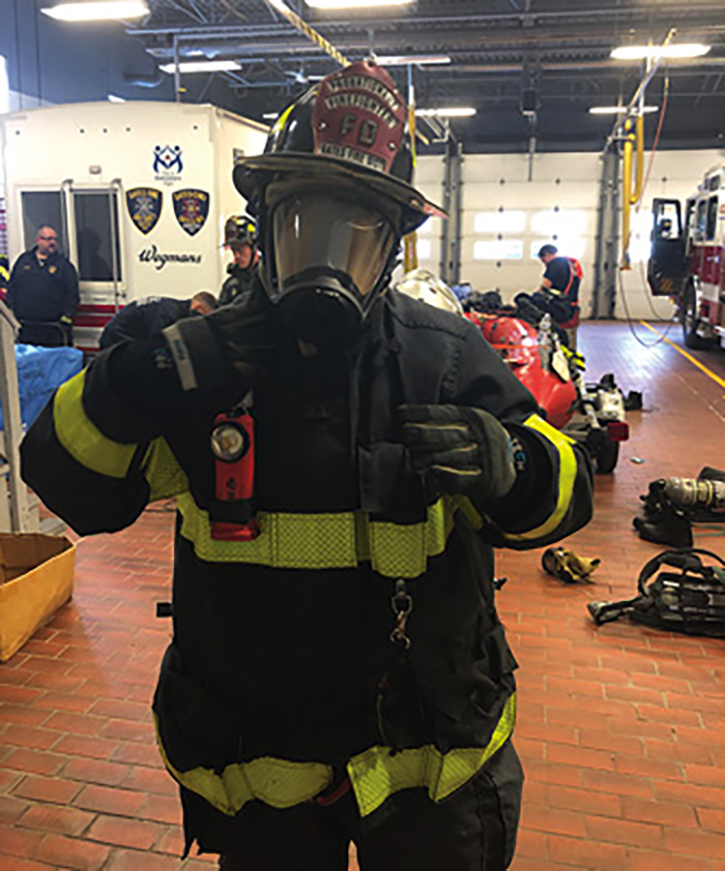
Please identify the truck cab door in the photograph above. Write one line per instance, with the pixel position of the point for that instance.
(667, 264)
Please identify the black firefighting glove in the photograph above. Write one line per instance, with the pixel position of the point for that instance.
(233, 345)
(459, 450)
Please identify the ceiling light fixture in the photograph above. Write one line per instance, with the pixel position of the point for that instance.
(354, 4)
(447, 112)
(402, 60)
(97, 10)
(270, 116)
(619, 110)
(641, 52)
(202, 66)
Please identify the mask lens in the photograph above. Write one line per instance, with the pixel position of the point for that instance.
(316, 232)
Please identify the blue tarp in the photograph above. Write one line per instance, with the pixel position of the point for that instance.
(40, 372)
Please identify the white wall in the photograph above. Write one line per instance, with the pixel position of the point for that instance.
(503, 209)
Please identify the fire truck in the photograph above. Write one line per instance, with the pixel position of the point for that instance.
(686, 259)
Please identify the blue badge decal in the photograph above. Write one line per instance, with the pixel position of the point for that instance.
(191, 208)
(144, 207)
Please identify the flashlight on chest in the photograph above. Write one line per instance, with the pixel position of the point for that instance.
(232, 444)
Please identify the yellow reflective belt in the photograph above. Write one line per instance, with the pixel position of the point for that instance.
(276, 782)
(326, 541)
(376, 774)
(567, 476)
(83, 441)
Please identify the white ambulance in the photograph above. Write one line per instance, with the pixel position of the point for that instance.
(138, 192)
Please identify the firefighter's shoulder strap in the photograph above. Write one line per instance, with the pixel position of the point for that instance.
(576, 268)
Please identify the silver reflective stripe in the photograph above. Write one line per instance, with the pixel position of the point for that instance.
(181, 357)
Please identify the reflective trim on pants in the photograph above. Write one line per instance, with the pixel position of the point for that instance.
(377, 774)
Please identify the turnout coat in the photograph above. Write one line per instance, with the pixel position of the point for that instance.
(282, 678)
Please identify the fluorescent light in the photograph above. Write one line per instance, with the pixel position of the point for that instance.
(402, 60)
(353, 4)
(201, 66)
(620, 110)
(640, 52)
(270, 116)
(99, 10)
(112, 98)
(447, 112)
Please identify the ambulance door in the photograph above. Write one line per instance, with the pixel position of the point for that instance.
(96, 246)
(88, 226)
(95, 241)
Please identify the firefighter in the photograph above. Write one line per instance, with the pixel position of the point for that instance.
(147, 317)
(43, 292)
(344, 460)
(240, 235)
(558, 295)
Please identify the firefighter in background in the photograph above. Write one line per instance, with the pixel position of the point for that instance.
(240, 235)
(558, 295)
(344, 460)
(43, 292)
(143, 318)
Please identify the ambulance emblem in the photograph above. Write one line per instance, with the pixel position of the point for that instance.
(191, 208)
(144, 207)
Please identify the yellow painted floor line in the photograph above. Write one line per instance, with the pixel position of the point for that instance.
(716, 378)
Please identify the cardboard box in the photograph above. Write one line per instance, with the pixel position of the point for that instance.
(36, 578)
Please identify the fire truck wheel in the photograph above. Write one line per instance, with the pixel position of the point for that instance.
(607, 456)
(689, 319)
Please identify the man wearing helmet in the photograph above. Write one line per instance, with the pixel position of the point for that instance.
(344, 459)
(240, 235)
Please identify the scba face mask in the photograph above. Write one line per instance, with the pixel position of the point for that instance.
(331, 255)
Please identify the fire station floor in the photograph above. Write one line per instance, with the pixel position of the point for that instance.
(621, 729)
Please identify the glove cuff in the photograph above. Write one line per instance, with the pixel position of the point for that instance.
(496, 442)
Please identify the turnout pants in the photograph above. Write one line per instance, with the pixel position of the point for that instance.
(474, 829)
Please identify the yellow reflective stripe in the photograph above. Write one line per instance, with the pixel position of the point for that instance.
(83, 441)
(376, 774)
(567, 476)
(304, 541)
(164, 475)
(276, 782)
(326, 541)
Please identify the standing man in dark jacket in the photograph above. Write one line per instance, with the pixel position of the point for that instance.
(344, 460)
(240, 235)
(43, 292)
(143, 318)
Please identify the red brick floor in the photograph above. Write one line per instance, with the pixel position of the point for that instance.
(620, 728)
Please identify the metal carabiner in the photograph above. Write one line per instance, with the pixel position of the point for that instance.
(402, 604)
